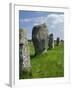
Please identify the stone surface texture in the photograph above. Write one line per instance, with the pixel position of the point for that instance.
(40, 38)
(24, 58)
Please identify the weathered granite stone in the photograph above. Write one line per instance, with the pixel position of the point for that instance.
(50, 41)
(40, 38)
(24, 59)
(57, 41)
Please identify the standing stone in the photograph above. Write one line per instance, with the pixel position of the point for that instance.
(50, 41)
(24, 59)
(57, 41)
(40, 38)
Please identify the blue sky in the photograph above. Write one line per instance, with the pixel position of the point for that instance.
(54, 21)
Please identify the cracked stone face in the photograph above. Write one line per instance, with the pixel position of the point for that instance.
(24, 58)
(40, 38)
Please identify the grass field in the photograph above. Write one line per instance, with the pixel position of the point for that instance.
(49, 64)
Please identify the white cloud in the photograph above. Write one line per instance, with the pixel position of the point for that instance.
(25, 20)
(55, 18)
(55, 23)
(51, 19)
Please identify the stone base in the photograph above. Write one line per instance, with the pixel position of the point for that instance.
(44, 51)
(26, 73)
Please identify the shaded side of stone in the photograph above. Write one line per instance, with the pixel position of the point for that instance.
(51, 41)
(58, 41)
(40, 38)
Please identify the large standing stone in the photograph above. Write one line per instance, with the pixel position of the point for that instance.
(24, 59)
(57, 41)
(40, 38)
(50, 41)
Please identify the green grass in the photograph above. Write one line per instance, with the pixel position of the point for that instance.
(49, 64)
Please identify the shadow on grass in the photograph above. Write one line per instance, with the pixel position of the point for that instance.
(35, 55)
(32, 56)
(25, 75)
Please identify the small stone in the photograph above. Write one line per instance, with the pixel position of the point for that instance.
(50, 41)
